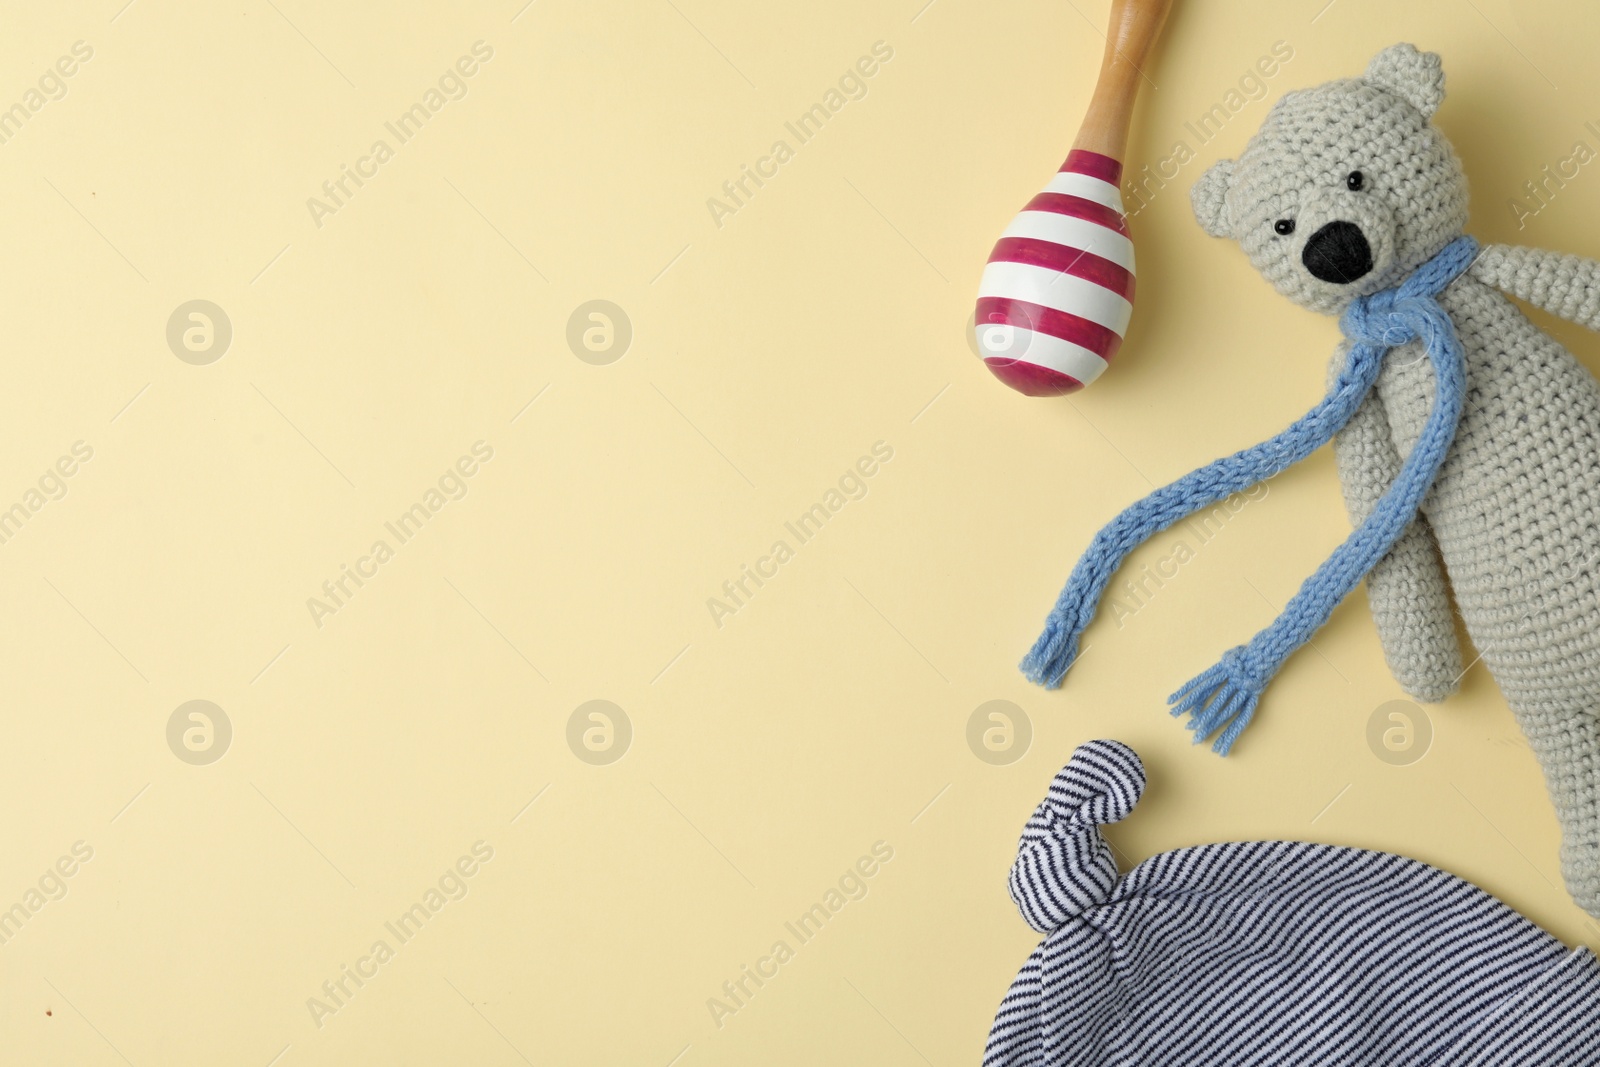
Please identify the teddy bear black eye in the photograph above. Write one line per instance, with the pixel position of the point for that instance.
(1284, 226)
(1355, 181)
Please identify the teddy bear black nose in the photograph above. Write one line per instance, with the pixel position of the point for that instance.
(1338, 253)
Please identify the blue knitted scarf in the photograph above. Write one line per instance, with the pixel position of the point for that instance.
(1224, 697)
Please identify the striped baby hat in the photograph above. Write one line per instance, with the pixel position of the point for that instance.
(1279, 953)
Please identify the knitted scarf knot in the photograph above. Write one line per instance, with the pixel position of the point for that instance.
(1387, 326)
(1225, 696)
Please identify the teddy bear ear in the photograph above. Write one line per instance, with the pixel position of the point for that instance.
(1414, 76)
(1209, 198)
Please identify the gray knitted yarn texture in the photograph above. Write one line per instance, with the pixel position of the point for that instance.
(1513, 518)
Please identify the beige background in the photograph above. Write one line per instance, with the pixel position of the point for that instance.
(768, 354)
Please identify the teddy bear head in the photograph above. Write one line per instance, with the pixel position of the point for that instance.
(1346, 188)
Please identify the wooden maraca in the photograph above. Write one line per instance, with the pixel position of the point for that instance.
(1057, 293)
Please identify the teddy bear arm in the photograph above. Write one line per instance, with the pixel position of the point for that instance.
(1565, 285)
(1407, 590)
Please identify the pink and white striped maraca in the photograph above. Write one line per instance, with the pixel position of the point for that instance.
(1057, 294)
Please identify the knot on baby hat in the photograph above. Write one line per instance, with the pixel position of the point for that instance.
(1064, 866)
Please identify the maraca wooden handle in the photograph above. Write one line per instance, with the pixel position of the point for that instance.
(1057, 294)
(1135, 24)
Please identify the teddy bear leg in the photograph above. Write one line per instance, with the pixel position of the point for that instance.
(1566, 739)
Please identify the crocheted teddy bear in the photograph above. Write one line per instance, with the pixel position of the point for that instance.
(1346, 189)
